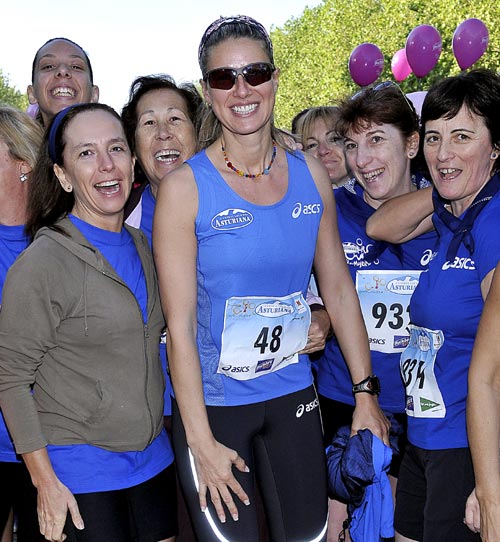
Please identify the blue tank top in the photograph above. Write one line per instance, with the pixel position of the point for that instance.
(448, 298)
(84, 468)
(251, 250)
(12, 242)
(363, 253)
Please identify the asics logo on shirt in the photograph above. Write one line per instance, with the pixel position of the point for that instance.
(427, 257)
(306, 209)
(460, 263)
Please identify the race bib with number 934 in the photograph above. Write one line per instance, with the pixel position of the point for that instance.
(423, 396)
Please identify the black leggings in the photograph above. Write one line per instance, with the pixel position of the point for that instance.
(281, 442)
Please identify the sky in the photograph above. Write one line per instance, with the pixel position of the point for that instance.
(125, 38)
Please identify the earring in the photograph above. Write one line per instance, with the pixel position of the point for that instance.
(411, 154)
(494, 155)
(68, 188)
(23, 177)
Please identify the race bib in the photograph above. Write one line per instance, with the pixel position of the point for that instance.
(423, 396)
(384, 297)
(262, 334)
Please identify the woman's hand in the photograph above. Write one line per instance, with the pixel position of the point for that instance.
(318, 330)
(368, 415)
(483, 515)
(54, 498)
(214, 466)
(472, 515)
(54, 501)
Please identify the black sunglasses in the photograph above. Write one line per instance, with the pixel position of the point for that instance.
(254, 75)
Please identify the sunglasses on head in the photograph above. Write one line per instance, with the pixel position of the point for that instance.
(254, 75)
(384, 85)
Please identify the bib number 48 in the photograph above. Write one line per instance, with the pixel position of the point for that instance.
(262, 342)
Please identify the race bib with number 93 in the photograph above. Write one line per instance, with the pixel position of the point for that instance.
(384, 296)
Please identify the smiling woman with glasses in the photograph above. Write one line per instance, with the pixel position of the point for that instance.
(236, 231)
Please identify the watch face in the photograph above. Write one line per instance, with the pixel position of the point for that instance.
(374, 384)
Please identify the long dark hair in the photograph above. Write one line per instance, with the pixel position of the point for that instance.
(47, 201)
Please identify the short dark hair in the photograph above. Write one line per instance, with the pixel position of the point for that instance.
(143, 85)
(47, 201)
(478, 90)
(384, 105)
(86, 57)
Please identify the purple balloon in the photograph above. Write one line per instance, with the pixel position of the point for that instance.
(423, 48)
(366, 64)
(470, 41)
(399, 65)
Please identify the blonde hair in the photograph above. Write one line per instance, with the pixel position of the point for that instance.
(22, 134)
(329, 114)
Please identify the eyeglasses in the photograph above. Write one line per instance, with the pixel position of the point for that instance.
(384, 85)
(254, 75)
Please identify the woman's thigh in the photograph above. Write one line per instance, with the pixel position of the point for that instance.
(143, 513)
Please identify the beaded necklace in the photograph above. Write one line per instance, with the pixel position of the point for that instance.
(244, 174)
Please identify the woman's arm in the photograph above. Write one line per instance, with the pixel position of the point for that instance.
(402, 218)
(341, 302)
(54, 498)
(175, 250)
(483, 414)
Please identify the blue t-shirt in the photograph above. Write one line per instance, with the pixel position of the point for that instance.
(12, 242)
(363, 253)
(448, 298)
(148, 204)
(84, 468)
(251, 251)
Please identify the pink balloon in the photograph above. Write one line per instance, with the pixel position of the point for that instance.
(399, 65)
(366, 64)
(470, 41)
(423, 48)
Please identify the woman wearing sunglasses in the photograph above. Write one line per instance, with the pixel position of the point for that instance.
(380, 128)
(235, 234)
(461, 141)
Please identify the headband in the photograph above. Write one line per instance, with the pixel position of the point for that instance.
(54, 128)
(237, 19)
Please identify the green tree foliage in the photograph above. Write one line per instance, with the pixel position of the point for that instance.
(10, 95)
(313, 51)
